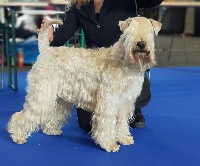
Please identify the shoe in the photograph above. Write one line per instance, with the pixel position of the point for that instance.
(138, 119)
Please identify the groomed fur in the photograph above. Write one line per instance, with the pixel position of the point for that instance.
(106, 82)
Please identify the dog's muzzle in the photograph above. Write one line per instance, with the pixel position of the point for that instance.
(141, 48)
(139, 51)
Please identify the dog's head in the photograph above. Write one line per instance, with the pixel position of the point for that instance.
(138, 35)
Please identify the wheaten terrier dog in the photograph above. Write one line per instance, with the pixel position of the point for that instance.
(106, 81)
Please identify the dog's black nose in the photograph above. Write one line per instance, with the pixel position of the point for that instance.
(141, 45)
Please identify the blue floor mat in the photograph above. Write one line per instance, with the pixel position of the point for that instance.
(171, 136)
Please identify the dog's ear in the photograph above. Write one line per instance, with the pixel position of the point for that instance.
(156, 26)
(124, 24)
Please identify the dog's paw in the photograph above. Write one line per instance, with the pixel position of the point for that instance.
(112, 148)
(19, 141)
(128, 140)
(52, 132)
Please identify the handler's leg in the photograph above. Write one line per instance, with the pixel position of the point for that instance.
(84, 119)
(142, 101)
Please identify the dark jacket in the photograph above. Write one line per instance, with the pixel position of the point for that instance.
(105, 32)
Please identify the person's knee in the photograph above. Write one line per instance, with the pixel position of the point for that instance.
(142, 102)
(145, 95)
(84, 119)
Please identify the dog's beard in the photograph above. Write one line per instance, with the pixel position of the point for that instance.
(141, 57)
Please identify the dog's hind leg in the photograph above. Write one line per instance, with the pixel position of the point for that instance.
(58, 116)
(37, 110)
(21, 125)
(40, 102)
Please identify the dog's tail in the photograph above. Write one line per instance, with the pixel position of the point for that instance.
(43, 40)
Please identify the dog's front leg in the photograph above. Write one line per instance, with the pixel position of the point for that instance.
(104, 123)
(124, 113)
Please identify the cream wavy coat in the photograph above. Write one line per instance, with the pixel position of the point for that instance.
(106, 82)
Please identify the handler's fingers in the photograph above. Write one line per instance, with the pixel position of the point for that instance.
(45, 19)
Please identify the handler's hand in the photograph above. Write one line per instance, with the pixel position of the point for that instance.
(50, 35)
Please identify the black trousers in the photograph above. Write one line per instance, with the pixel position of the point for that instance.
(84, 117)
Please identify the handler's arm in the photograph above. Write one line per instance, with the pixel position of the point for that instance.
(67, 30)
